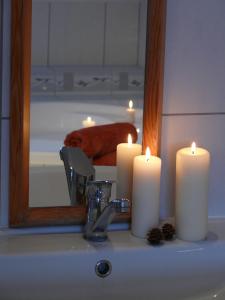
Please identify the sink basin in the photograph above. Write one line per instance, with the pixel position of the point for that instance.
(61, 266)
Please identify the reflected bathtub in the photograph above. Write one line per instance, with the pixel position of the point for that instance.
(50, 123)
(47, 180)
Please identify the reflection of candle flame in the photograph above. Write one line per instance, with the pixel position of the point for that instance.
(138, 130)
(193, 148)
(129, 139)
(148, 154)
(131, 104)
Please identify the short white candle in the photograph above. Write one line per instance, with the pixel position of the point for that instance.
(88, 122)
(131, 112)
(124, 160)
(146, 190)
(192, 172)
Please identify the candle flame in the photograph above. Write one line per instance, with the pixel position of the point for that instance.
(193, 148)
(138, 130)
(88, 119)
(131, 104)
(129, 139)
(148, 154)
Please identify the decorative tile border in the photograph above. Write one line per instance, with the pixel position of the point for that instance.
(59, 80)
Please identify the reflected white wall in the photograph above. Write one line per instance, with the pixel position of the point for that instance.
(89, 32)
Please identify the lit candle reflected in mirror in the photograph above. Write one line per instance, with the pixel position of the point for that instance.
(131, 112)
(88, 122)
(131, 104)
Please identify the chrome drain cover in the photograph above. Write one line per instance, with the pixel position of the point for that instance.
(103, 268)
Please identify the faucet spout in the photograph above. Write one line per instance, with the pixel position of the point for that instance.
(79, 171)
(101, 211)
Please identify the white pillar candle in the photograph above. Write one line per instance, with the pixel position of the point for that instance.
(131, 112)
(146, 190)
(88, 122)
(124, 160)
(192, 170)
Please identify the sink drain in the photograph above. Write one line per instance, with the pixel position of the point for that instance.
(103, 268)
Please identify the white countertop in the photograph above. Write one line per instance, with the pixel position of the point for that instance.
(54, 240)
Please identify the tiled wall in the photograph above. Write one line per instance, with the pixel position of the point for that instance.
(110, 32)
(97, 44)
(194, 97)
(194, 93)
(117, 82)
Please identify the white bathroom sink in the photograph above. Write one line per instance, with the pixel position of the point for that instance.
(62, 267)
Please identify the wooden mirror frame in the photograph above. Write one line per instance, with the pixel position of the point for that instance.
(20, 214)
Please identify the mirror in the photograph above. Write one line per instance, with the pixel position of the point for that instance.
(87, 62)
(70, 82)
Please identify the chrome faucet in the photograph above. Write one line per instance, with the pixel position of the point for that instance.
(101, 209)
(95, 195)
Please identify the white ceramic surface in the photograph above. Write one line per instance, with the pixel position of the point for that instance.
(52, 121)
(62, 267)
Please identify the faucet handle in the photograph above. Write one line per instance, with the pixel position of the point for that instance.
(99, 192)
(121, 205)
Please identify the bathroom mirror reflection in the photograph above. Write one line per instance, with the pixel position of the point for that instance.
(88, 62)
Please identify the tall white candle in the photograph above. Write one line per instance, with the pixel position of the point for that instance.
(146, 190)
(131, 112)
(124, 158)
(192, 171)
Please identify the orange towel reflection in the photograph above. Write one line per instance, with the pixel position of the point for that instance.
(100, 142)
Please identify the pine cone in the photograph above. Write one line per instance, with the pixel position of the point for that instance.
(154, 236)
(168, 231)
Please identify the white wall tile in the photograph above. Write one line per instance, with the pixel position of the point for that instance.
(195, 60)
(40, 14)
(76, 35)
(4, 194)
(208, 132)
(121, 33)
